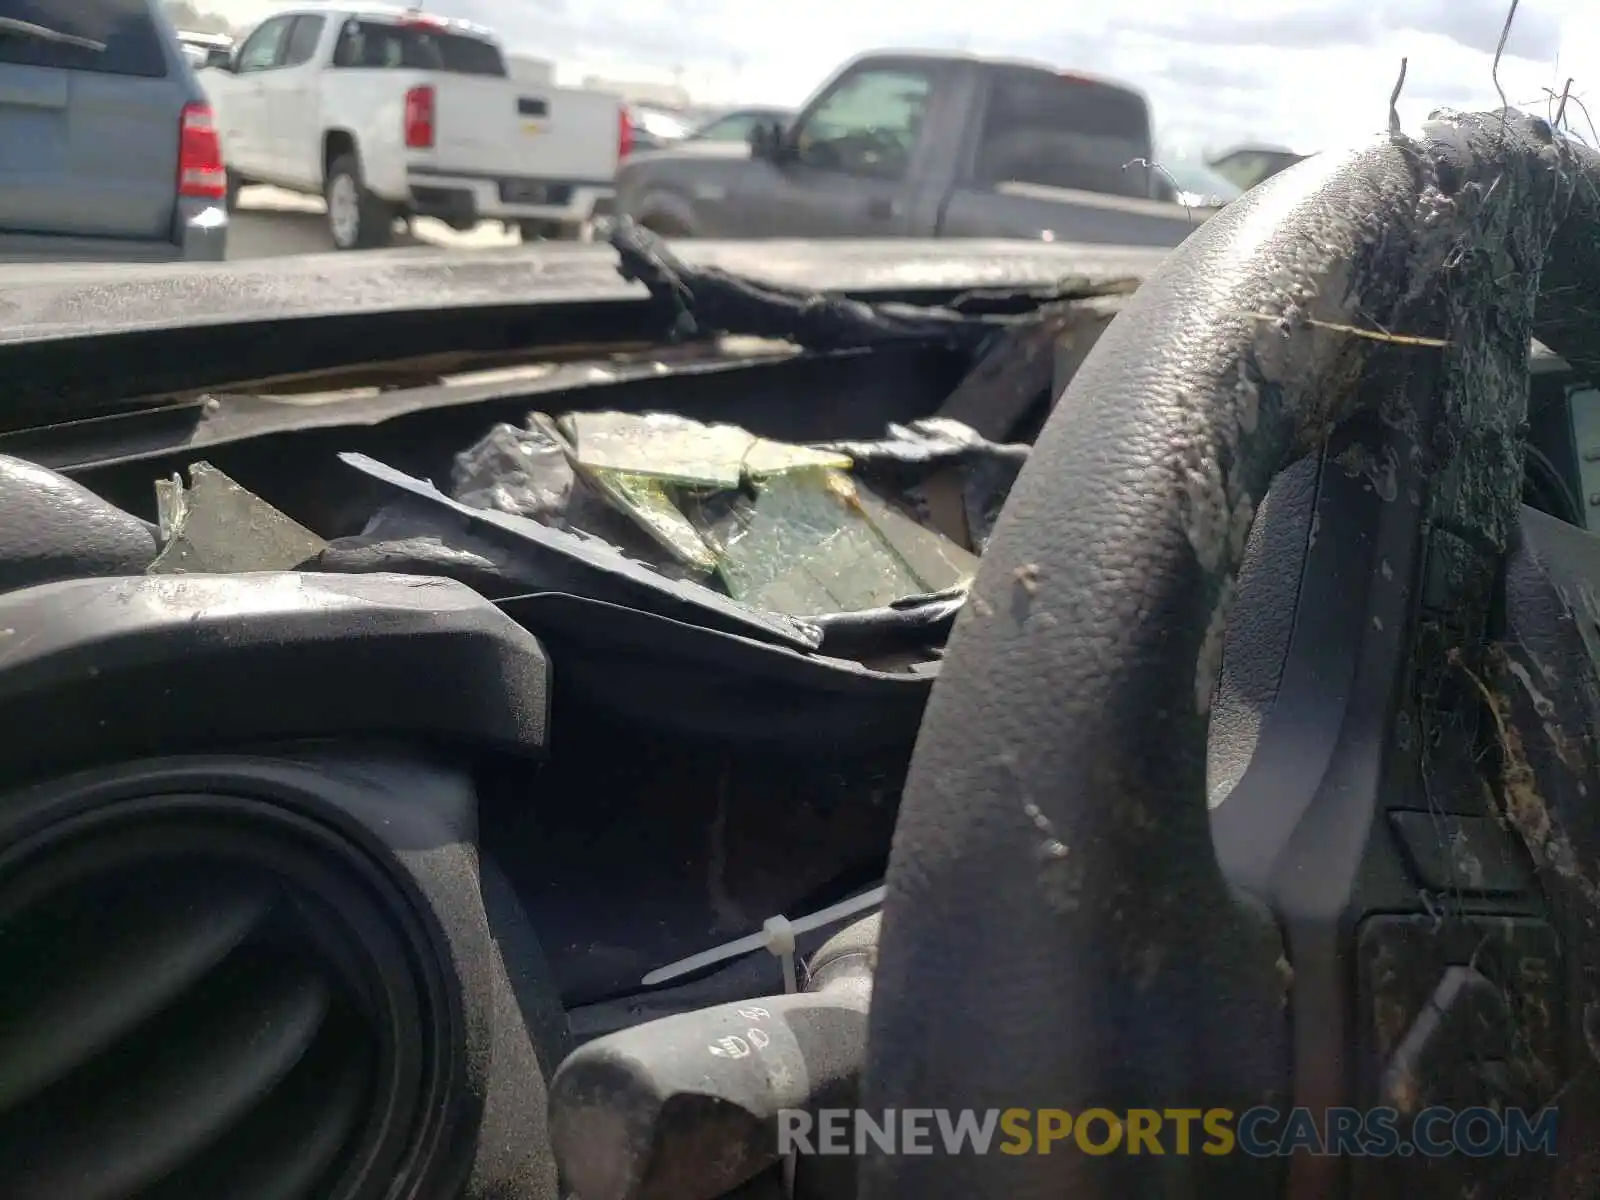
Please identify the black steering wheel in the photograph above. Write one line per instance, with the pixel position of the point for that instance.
(1068, 924)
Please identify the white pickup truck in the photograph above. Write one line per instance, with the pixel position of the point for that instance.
(390, 113)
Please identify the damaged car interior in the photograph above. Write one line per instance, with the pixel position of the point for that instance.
(487, 732)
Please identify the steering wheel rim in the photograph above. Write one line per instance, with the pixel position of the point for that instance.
(1057, 931)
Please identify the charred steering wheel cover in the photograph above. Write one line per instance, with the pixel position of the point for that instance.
(1057, 932)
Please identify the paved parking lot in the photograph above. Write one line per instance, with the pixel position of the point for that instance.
(271, 223)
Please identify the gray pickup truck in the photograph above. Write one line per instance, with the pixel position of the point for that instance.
(917, 144)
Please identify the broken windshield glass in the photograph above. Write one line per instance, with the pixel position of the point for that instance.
(702, 522)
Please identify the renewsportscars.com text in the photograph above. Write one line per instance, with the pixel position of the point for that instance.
(1258, 1132)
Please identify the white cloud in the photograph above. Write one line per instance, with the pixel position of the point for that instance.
(1306, 73)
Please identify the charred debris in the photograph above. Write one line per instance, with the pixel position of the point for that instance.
(740, 519)
(850, 548)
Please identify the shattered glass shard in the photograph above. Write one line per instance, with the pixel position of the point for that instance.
(682, 451)
(217, 527)
(646, 501)
(812, 542)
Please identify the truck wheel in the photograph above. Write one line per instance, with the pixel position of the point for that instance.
(357, 219)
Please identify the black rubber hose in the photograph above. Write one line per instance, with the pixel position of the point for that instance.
(1057, 932)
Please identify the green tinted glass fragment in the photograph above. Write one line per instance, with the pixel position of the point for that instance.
(811, 542)
(646, 501)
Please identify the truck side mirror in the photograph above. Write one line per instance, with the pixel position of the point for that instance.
(221, 59)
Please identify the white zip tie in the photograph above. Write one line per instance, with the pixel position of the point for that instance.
(780, 944)
(763, 940)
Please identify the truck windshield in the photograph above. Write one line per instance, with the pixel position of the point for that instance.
(379, 45)
(1063, 131)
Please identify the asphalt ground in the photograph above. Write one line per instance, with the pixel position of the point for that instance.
(270, 223)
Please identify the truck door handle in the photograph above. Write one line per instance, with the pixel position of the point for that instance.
(881, 208)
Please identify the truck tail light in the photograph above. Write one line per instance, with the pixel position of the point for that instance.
(201, 173)
(419, 118)
(624, 134)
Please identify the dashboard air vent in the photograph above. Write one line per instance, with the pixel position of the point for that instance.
(204, 998)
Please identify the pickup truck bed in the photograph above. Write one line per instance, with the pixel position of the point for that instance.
(390, 115)
(1027, 210)
(515, 152)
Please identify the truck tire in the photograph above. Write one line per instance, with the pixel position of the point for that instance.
(357, 219)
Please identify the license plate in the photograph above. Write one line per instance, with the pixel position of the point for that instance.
(531, 191)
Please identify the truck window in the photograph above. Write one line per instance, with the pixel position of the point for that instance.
(735, 127)
(130, 42)
(263, 49)
(1061, 131)
(868, 126)
(303, 41)
(379, 45)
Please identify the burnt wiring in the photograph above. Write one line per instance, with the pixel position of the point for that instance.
(1499, 53)
(1557, 118)
(1177, 188)
(1561, 106)
(1394, 100)
(1560, 120)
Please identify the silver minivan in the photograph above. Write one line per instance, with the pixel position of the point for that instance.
(108, 149)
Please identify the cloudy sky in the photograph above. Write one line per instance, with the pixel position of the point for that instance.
(1304, 73)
